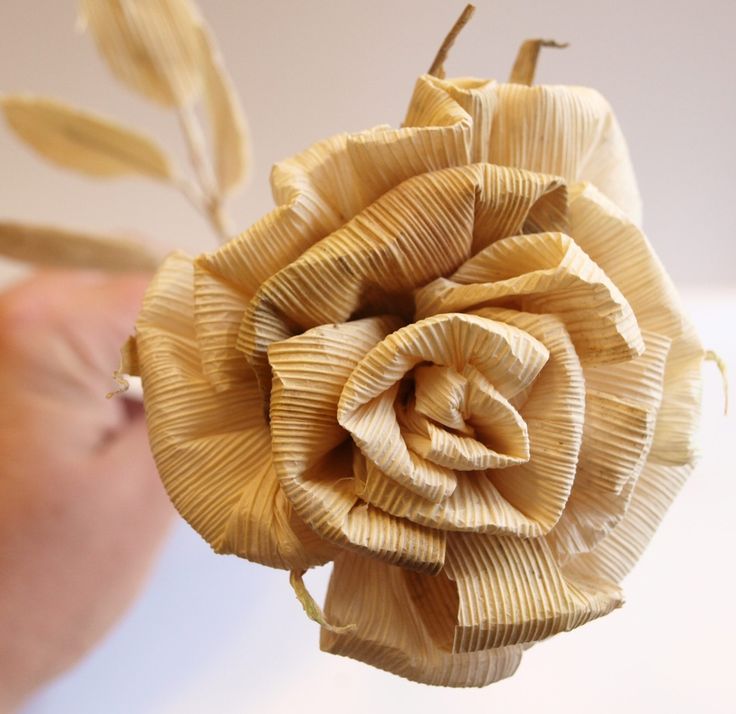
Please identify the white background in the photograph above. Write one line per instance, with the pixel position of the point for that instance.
(215, 634)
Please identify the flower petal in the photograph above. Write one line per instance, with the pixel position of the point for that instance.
(548, 273)
(511, 592)
(621, 407)
(507, 357)
(425, 228)
(404, 625)
(553, 412)
(622, 250)
(653, 494)
(212, 449)
(312, 460)
(565, 131)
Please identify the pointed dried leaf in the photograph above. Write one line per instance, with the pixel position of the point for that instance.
(152, 46)
(82, 141)
(227, 121)
(60, 248)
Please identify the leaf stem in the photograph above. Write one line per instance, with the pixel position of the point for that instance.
(437, 69)
(210, 204)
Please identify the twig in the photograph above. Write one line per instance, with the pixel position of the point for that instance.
(437, 69)
(210, 203)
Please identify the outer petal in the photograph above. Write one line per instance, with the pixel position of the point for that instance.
(404, 624)
(511, 591)
(565, 131)
(212, 449)
(621, 408)
(623, 251)
(425, 228)
(315, 471)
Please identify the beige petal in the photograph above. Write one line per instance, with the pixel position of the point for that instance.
(152, 46)
(653, 494)
(559, 130)
(554, 413)
(549, 273)
(622, 250)
(227, 121)
(426, 227)
(310, 371)
(83, 141)
(621, 406)
(511, 591)
(404, 625)
(61, 248)
(474, 506)
(212, 449)
(508, 358)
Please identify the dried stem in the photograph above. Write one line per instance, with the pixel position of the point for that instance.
(711, 356)
(525, 66)
(437, 69)
(210, 202)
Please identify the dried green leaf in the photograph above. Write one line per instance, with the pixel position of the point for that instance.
(60, 248)
(82, 141)
(152, 46)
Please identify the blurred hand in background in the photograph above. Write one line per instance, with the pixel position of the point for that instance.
(82, 512)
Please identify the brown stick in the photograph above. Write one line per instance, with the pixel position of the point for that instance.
(437, 69)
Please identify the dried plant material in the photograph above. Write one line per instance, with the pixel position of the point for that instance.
(438, 65)
(450, 362)
(313, 610)
(82, 141)
(129, 367)
(712, 356)
(152, 46)
(525, 65)
(228, 128)
(60, 248)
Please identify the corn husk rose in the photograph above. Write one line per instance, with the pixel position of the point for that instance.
(450, 362)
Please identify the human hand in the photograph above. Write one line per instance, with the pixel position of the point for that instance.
(82, 511)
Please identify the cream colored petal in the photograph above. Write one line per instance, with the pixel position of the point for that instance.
(511, 591)
(554, 415)
(62, 248)
(426, 227)
(653, 494)
(85, 142)
(508, 358)
(314, 470)
(543, 273)
(567, 131)
(152, 46)
(621, 406)
(474, 506)
(218, 312)
(227, 122)
(622, 250)
(404, 625)
(212, 449)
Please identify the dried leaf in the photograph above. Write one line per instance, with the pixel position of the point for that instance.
(526, 61)
(81, 141)
(152, 46)
(227, 122)
(57, 247)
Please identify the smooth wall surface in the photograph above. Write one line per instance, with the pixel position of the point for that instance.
(310, 68)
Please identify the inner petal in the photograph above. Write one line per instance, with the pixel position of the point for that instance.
(494, 435)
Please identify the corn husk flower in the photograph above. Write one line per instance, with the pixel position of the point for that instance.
(450, 362)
